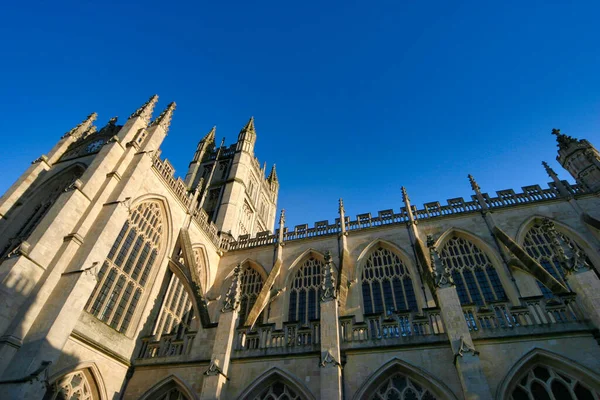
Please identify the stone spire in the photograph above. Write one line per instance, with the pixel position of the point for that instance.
(342, 212)
(478, 194)
(249, 128)
(327, 280)
(145, 111)
(273, 176)
(232, 298)
(164, 119)
(562, 139)
(406, 200)
(247, 137)
(281, 227)
(210, 136)
(474, 184)
(78, 131)
(441, 273)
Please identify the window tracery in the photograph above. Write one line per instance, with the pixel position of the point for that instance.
(475, 277)
(124, 274)
(539, 246)
(305, 292)
(173, 394)
(251, 284)
(542, 382)
(400, 387)
(386, 284)
(75, 385)
(278, 390)
(176, 312)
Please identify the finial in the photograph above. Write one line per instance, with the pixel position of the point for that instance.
(404, 194)
(562, 139)
(341, 208)
(327, 280)
(282, 218)
(232, 298)
(164, 119)
(145, 111)
(568, 254)
(273, 175)
(80, 129)
(549, 170)
(474, 184)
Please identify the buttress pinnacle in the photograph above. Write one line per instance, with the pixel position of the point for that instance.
(273, 175)
(83, 127)
(210, 136)
(164, 119)
(474, 184)
(548, 169)
(145, 111)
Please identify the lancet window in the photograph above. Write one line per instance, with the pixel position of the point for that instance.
(539, 246)
(543, 382)
(305, 292)
(124, 274)
(176, 313)
(386, 283)
(475, 277)
(400, 387)
(251, 284)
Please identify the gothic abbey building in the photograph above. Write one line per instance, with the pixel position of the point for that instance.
(121, 281)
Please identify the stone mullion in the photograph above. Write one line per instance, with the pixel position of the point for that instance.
(465, 285)
(133, 290)
(481, 294)
(110, 292)
(99, 286)
(391, 283)
(109, 320)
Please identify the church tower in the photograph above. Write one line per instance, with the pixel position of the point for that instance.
(233, 189)
(580, 158)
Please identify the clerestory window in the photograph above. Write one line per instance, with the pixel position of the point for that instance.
(124, 274)
(305, 291)
(475, 277)
(251, 284)
(386, 284)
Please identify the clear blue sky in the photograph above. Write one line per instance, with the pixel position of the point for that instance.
(351, 99)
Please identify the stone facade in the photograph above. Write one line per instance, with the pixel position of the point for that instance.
(120, 280)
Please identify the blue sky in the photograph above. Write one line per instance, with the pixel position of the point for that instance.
(351, 99)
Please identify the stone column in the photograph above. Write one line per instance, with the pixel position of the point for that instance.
(579, 275)
(331, 368)
(466, 358)
(215, 376)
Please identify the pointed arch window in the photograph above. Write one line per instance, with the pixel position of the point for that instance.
(475, 277)
(546, 383)
(305, 292)
(400, 387)
(176, 313)
(251, 284)
(124, 274)
(539, 246)
(277, 390)
(386, 283)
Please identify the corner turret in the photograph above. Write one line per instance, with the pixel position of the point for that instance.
(247, 137)
(580, 158)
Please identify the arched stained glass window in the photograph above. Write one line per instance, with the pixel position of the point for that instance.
(176, 313)
(78, 385)
(475, 277)
(386, 284)
(278, 390)
(400, 387)
(251, 284)
(544, 382)
(305, 292)
(124, 274)
(539, 246)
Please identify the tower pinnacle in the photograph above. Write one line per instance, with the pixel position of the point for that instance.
(273, 175)
(145, 111)
(164, 119)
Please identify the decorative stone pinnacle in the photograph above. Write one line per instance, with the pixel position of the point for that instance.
(327, 280)
(232, 298)
(563, 140)
(78, 131)
(164, 119)
(282, 218)
(404, 194)
(210, 136)
(568, 255)
(145, 111)
(548, 169)
(440, 272)
(341, 208)
(474, 184)
(273, 175)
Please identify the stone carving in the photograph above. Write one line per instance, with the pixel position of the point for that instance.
(440, 274)
(145, 111)
(327, 359)
(164, 119)
(464, 348)
(328, 281)
(232, 298)
(568, 255)
(214, 370)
